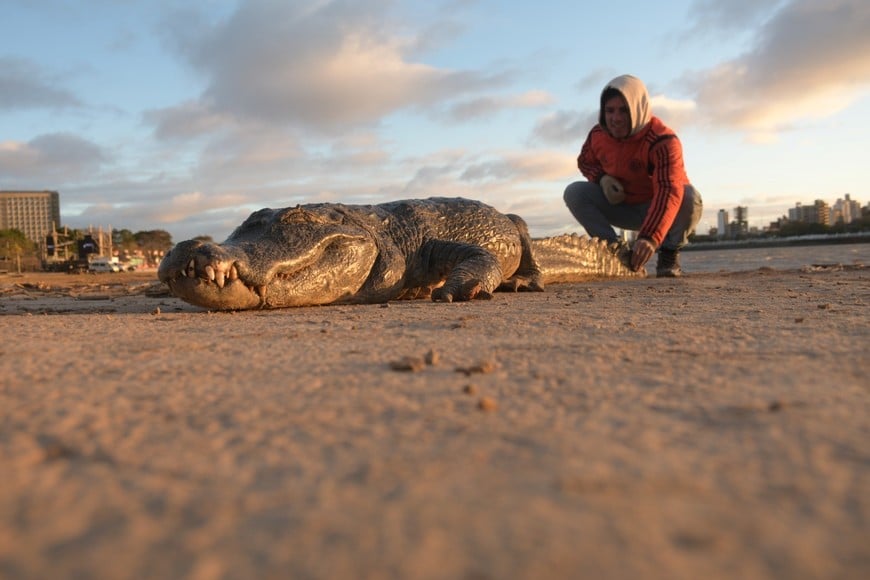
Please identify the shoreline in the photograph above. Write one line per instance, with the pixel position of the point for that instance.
(825, 240)
(710, 426)
(860, 238)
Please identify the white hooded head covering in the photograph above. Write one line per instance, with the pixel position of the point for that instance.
(637, 97)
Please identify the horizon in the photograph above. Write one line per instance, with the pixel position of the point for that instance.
(187, 120)
(111, 227)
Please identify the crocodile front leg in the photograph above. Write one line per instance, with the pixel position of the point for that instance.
(469, 272)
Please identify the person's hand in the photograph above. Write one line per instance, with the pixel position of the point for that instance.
(641, 251)
(613, 190)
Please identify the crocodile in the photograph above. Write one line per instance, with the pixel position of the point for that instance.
(448, 249)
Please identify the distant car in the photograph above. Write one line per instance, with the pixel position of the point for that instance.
(99, 267)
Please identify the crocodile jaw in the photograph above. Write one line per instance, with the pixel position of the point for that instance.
(224, 278)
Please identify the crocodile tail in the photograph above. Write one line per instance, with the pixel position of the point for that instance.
(574, 258)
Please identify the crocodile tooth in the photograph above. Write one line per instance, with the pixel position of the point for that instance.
(261, 291)
(220, 277)
(234, 274)
(209, 273)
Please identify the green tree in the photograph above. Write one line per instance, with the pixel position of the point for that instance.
(124, 240)
(13, 242)
(153, 240)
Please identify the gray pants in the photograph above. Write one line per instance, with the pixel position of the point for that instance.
(587, 203)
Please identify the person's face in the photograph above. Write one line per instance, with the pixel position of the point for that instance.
(616, 117)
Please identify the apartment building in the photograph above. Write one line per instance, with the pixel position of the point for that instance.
(34, 213)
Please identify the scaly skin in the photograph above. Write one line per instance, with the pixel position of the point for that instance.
(449, 249)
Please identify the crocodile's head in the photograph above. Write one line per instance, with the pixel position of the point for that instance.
(275, 259)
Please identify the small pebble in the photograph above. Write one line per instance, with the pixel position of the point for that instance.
(481, 368)
(408, 364)
(56, 450)
(487, 404)
(432, 358)
(469, 389)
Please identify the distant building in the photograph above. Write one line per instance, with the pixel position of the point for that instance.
(34, 213)
(845, 211)
(722, 224)
(740, 225)
(818, 213)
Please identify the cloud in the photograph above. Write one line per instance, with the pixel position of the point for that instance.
(458, 168)
(596, 80)
(674, 112)
(728, 17)
(323, 66)
(488, 106)
(50, 157)
(182, 205)
(564, 127)
(521, 167)
(810, 60)
(246, 155)
(188, 120)
(24, 86)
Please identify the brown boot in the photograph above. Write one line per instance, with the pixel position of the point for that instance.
(668, 265)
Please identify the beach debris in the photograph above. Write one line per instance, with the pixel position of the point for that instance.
(408, 364)
(93, 297)
(487, 404)
(822, 268)
(415, 363)
(481, 368)
(469, 389)
(155, 290)
(53, 448)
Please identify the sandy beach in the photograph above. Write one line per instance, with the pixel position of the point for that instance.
(714, 426)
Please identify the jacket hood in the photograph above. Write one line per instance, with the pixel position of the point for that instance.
(637, 97)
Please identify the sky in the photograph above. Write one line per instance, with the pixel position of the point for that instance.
(188, 116)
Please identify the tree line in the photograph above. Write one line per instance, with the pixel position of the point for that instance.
(15, 245)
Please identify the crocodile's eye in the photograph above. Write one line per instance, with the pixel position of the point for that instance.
(301, 215)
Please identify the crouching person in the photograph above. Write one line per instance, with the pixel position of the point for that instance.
(636, 180)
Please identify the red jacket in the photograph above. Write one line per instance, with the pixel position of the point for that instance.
(649, 164)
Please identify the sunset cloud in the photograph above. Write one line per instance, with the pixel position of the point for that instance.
(324, 66)
(491, 105)
(52, 156)
(810, 60)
